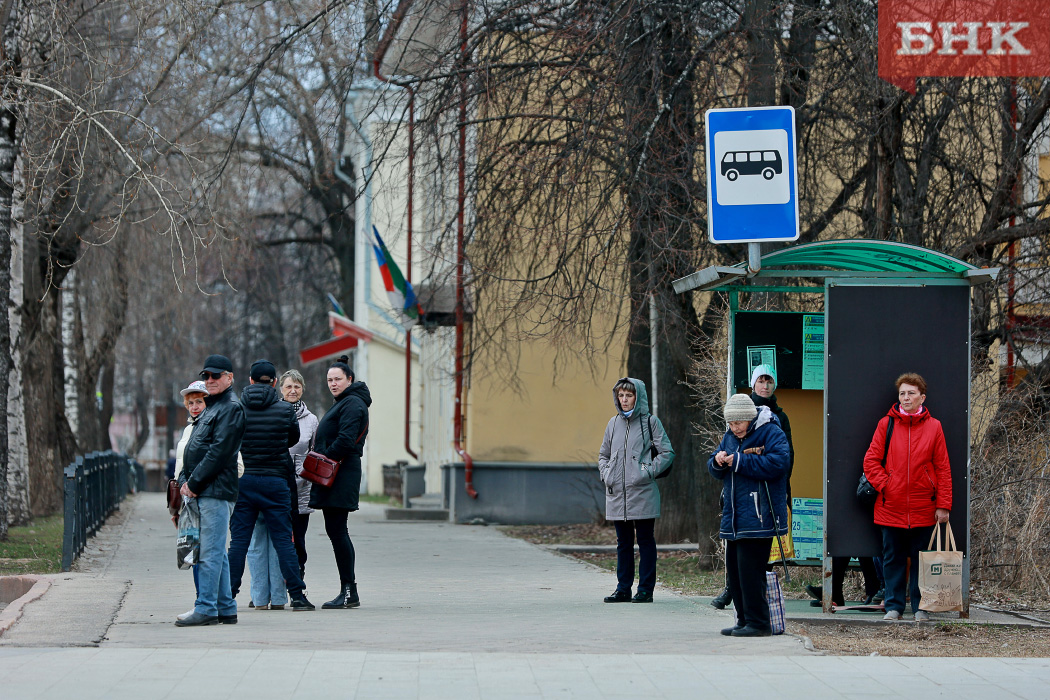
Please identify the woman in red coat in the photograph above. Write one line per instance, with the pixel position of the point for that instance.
(915, 489)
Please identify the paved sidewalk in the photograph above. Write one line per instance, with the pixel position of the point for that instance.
(447, 612)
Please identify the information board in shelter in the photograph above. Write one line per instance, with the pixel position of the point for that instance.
(761, 355)
(807, 527)
(813, 351)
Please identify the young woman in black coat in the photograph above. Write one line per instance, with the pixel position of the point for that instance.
(341, 436)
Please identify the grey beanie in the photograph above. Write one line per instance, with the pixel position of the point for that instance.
(739, 407)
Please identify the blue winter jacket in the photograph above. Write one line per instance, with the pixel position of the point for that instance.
(745, 510)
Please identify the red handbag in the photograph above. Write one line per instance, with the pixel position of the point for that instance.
(174, 497)
(319, 469)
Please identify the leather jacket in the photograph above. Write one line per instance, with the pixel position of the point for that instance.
(210, 458)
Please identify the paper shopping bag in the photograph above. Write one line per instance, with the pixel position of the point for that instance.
(940, 574)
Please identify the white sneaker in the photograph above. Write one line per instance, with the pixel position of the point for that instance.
(892, 615)
(184, 615)
(922, 616)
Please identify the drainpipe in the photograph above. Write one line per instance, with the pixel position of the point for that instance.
(653, 359)
(468, 462)
(388, 36)
(1011, 251)
(381, 49)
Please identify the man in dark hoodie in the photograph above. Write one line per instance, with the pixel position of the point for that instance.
(267, 486)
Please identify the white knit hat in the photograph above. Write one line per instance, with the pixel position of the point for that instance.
(764, 371)
(739, 407)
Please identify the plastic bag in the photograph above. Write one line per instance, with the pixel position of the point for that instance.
(775, 600)
(188, 544)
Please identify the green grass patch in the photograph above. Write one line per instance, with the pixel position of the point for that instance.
(35, 548)
(380, 499)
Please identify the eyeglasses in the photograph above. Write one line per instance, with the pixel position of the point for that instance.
(212, 375)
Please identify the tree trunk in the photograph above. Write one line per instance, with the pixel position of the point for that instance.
(49, 441)
(8, 155)
(18, 511)
(661, 120)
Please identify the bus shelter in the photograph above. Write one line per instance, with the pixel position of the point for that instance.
(888, 308)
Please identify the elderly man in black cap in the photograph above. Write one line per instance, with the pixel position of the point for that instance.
(268, 483)
(209, 474)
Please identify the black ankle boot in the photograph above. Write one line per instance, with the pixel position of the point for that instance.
(347, 598)
(723, 599)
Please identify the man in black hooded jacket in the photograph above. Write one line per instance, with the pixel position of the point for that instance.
(267, 486)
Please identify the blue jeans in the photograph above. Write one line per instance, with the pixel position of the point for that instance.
(625, 532)
(898, 544)
(267, 581)
(268, 495)
(213, 571)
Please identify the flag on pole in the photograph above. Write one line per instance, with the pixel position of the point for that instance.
(402, 296)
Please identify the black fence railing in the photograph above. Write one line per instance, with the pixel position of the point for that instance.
(95, 484)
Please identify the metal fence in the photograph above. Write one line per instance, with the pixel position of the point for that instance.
(95, 484)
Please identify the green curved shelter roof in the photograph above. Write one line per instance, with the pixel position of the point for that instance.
(861, 255)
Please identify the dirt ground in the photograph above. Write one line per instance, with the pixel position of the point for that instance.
(947, 639)
(679, 571)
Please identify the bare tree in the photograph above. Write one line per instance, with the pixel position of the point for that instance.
(588, 189)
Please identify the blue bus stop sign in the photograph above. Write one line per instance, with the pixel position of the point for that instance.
(752, 182)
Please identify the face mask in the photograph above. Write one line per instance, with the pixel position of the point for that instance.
(628, 413)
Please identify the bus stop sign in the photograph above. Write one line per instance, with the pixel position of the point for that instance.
(752, 182)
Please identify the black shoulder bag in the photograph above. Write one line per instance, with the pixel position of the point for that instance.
(866, 493)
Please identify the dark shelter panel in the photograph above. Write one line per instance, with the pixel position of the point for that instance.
(875, 334)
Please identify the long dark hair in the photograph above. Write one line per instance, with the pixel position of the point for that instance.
(343, 362)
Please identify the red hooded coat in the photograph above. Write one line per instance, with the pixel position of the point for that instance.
(917, 478)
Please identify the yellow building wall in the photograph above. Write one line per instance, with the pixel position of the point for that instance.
(386, 415)
(805, 410)
(546, 421)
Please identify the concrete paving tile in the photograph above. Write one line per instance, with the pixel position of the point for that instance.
(979, 691)
(387, 691)
(936, 669)
(23, 689)
(744, 685)
(324, 688)
(1029, 690)
(623, 683)
(464, 687)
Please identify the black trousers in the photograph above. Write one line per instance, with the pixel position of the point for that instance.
(838, 576)
(746, 575)
(335, 527)
(300, 521)
(625, 533)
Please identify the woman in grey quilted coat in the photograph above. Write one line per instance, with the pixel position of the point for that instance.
(292, 391)
(635, 452)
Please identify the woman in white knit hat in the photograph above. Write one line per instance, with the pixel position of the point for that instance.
(752, 463)
(763, 384)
